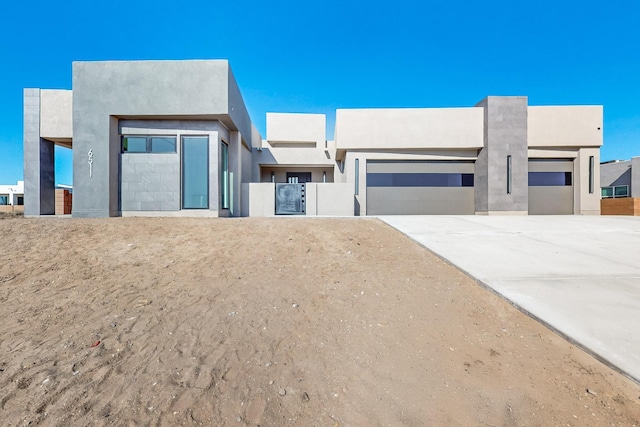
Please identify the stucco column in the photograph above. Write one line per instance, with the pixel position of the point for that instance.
(586, 195)
(501, 175)
(635, 177)
(39, 167)
(214, 171)
(235, 172)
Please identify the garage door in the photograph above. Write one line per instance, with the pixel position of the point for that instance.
(551, 187)
(420, 188)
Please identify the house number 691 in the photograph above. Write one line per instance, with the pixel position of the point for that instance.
(90, 154)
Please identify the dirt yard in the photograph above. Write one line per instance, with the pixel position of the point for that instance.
(271, 322)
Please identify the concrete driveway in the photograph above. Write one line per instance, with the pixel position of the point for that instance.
(578, 274)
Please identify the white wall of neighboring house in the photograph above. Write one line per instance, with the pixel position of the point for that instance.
(9, 194)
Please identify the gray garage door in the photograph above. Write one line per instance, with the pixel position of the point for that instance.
(420, 188)
(551, 187)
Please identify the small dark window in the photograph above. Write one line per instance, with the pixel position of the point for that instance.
(591, 174)
(549, 179)
(509, 174)
(467, 179)
(20, 200)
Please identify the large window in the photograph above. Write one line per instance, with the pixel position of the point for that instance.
(195, 172)
(615, 191)
(4, 200)
(224, 176)
(148, 144)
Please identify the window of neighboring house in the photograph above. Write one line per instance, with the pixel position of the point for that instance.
(148, 144)
(224, 178)
(4, 200)
(20, 200)
(615, 191)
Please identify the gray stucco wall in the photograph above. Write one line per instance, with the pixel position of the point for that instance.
(238, 111)
(104, 91)
(625, 172)
(39, 168)
(505, 134)
(635, 177)
(31, 144)
(618, 173)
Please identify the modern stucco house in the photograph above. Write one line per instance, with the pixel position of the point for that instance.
(175, 138)
(12, 197)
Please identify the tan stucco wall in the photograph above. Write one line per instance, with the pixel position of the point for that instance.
(296, 128)
(329, 199)
(294, 140)
(56, 117)
(258, 199)
(294, 155)
(565, 126)
(409, 128)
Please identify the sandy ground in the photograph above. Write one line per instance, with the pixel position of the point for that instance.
(306, 322)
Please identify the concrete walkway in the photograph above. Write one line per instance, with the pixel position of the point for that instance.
(578, 274)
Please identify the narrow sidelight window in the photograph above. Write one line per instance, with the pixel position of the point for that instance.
(509, 174)
(224, 178)
(591, 177)
(357, 171)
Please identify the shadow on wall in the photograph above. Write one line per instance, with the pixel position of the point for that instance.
(623, 179)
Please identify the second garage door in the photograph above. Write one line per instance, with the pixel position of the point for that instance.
(420, 188)
(550, 187)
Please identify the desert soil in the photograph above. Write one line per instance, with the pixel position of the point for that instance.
(272, 322)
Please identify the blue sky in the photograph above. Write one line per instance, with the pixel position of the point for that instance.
(316, 56)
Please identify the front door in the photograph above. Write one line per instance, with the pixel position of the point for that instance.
(298, 177)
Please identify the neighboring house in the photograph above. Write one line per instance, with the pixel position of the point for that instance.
(12, 197)
(620, 181)
(175, 138)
